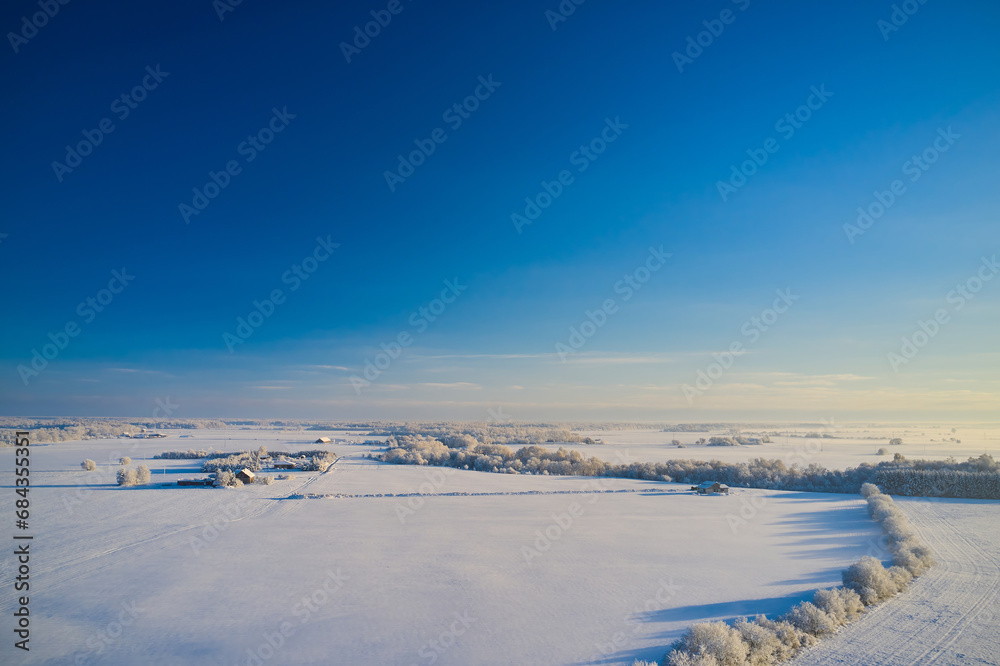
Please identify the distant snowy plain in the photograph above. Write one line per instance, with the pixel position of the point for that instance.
(486, 569)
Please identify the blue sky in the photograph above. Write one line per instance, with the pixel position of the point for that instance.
(836, 350)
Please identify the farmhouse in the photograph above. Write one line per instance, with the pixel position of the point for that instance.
(711, 487)
(323, 440)
(245, 475)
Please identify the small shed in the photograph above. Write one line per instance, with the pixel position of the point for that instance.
(196, 482)
(245, 475)
(323, 440)
(284, 464)
(711, 487)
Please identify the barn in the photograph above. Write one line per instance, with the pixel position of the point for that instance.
(323, 440)
(284, 464)
(710, 488)
(245, 475)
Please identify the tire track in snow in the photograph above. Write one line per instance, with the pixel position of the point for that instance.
(924, 624)
(68, 567)
(987, 600)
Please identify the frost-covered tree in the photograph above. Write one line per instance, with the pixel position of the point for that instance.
(127, 477)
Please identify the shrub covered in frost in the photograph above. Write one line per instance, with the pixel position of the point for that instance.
(125, 461)
(870, 580)
(190, 454)
(226, 478)
(143, 474)
(127, 477)
(89, 465)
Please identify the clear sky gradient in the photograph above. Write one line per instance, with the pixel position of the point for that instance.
(622, 144)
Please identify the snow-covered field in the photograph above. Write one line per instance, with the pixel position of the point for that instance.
(847, 446)
(490, 569)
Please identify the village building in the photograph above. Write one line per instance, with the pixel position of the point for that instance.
(245, 475)
(711, 487)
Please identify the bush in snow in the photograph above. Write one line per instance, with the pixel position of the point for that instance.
(226, 478)
(870, 580)
(127, 477)
(883, 451)
(190, 454)
(811, 619)
(841, 604)
(712, 640)
(285, 477)
(262, 478)
(125, 461)
(764, 647)
(792, 638)
(143, 474)
(319, 463)
(89, 465)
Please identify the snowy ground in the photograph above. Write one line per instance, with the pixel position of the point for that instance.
(951, 614)
(466, 576)
(848, 446)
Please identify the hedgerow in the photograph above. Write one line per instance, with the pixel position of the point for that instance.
(761, 641)
(978, 477)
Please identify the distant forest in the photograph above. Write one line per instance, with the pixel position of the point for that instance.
(975, 478)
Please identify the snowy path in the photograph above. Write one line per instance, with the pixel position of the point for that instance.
(950, 615)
